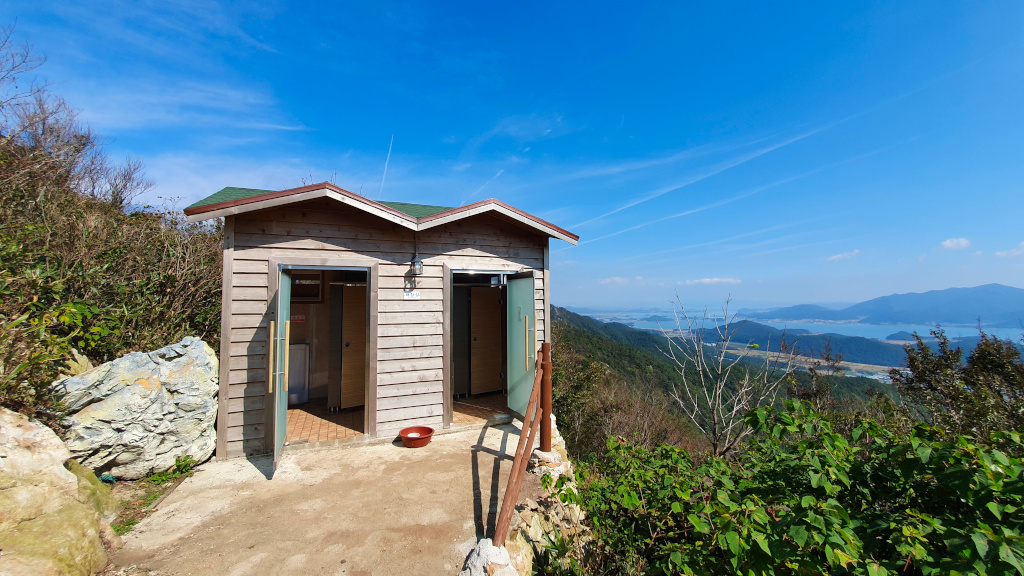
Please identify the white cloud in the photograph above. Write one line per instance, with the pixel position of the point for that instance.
(956, 244)
(843, 256)
(711, 281)
(620, 280)
(1013, 252)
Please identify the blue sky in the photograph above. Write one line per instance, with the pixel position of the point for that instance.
(780, 153)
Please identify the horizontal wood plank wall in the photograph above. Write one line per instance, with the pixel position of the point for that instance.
(410, 332)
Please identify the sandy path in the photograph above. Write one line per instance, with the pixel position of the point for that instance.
(379, 509)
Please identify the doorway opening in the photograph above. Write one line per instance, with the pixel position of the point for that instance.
(327, 355)
(479, 342)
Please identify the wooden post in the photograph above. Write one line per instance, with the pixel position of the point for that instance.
(545, 399)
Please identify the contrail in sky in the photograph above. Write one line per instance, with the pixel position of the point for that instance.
(750, 192)
(481, 188)
(386, 160)
(702, 208)
(716, 170)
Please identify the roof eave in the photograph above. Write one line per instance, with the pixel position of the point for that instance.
(494, 205)
(328, 190)
(274, 199)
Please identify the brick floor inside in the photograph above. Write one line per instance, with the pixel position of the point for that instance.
(478, 409)
(312, 422)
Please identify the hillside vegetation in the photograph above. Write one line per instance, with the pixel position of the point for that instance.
(931, 483)
(628, 351)
(81, 266)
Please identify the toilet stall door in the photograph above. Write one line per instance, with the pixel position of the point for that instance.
(485, 340)
(279, 353)
(522, 341)
(353, 347)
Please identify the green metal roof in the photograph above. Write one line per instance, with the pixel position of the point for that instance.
(228, 194)
(415, 210)
(231, 193)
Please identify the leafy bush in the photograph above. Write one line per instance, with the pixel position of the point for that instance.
(973, 398)
(593, 401)
(80, 265)
(29, 354)
(182, 467)
(805, 499)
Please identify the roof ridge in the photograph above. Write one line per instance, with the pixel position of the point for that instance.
(415, 216)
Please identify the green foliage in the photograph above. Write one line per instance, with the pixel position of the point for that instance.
(592, 400)
(625, 351)
(641, 354)
(123, 527)
(806, 499)
(974, 398)
(29, 354)
(80, 266)
(182, 467)
(146, 492)
(575, 386)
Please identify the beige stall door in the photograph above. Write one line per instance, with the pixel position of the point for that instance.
(353, 347)
(485, 340)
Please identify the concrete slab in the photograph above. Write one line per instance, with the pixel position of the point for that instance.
(371, 509)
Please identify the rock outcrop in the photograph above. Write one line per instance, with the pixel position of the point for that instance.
(138, 414)
(53, 520)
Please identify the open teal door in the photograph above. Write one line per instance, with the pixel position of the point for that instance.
(522, 341)
(279, 340)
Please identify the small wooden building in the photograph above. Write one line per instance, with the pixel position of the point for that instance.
(384, 309)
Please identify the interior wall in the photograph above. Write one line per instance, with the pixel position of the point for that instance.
(311, 325)
(460, 340)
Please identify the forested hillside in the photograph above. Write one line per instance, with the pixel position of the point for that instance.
(853, 348)
(629, 351)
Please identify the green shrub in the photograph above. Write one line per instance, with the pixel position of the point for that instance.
(972, 397)
(804, 499)
(81, 265)
(30, 355)
(182, 467)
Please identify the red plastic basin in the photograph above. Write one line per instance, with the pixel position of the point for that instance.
(416, 436)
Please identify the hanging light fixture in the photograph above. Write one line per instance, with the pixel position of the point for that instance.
(417, 263)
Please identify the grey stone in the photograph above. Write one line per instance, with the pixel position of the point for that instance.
(136, 415)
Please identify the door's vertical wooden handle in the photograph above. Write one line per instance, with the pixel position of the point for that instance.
(526, 341)
(271, 344)
(286, 352)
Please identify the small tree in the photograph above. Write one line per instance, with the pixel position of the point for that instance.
(826, 367)
(722, 382)
(974, 398)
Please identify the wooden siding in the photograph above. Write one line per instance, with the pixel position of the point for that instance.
(409, 333)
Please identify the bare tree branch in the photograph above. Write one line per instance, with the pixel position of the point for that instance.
(720, 382)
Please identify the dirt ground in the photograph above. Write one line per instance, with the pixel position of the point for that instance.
(378, 509)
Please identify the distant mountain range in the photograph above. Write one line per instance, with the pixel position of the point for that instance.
(641, 353)
(995, 305)
(853, 348)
